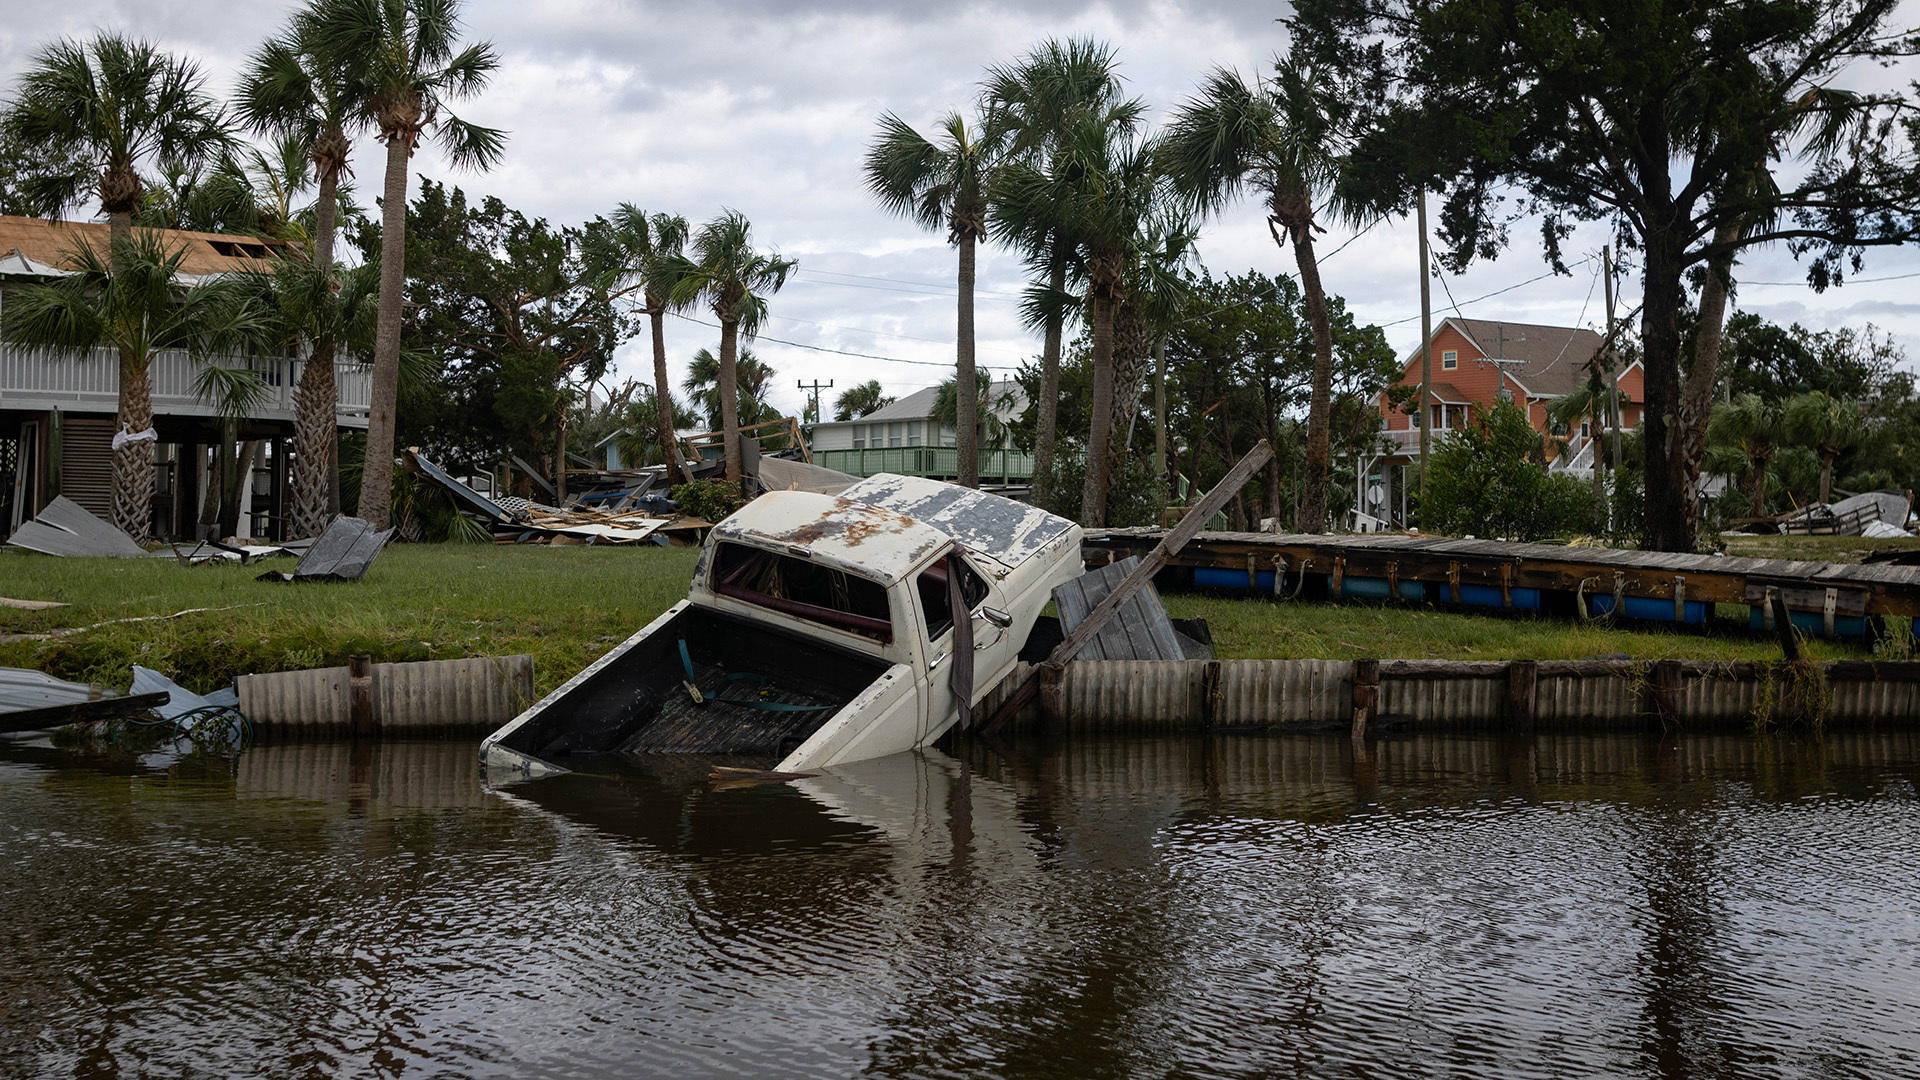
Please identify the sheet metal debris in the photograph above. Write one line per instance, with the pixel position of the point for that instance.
(620, 512)
(35, 701)
(67, 529)
(1850, 516)
(342, 553)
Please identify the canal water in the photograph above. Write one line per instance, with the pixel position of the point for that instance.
(1247, 907)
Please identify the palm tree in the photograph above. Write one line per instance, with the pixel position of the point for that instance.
(943, 184)
(736, 280)
(860, 400)
(100, 113)
(752, 378)
(134, 303)
(1157, 286)
(399, 59)
(1100, 217)
(641, 440)
(1748, 426)
(1032, 104)
(645, 252)
(314, 109)
(1279, 136)
(1828, 426)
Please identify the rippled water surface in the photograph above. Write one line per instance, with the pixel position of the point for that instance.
(1572, 906)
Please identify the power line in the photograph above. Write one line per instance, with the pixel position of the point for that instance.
(1855, 281)
(844, 352)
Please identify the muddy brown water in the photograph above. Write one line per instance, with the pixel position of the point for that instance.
(1248, 907)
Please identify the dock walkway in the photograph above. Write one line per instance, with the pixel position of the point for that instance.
(1822, 597)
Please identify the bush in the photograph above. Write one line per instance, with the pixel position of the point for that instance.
(1134, 494)
(1486, 483)
(709, 500)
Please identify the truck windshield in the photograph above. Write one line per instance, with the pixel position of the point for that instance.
(803, 589)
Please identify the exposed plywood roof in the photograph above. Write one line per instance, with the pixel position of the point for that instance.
(37, 246)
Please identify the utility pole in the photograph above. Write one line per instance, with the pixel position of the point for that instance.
(1613, 384)
(1426, 356)
(814, 388)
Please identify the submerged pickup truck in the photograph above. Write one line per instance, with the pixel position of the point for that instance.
(818, 630)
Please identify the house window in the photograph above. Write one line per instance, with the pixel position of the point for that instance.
(1449, 360)
(913, 433)
(859, 432)
(895, 434)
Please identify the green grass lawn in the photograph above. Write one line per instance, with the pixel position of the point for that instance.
(1837, 549)
(564, 605)
(567, 606)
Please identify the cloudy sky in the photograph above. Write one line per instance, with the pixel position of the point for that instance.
(767, 107)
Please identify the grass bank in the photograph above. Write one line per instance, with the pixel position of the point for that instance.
(566, 606)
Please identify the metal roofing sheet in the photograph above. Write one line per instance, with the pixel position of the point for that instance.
(1007, 531)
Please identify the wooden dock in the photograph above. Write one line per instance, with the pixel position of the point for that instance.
(1659, 586)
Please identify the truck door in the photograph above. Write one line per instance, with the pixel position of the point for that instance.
(982, 612)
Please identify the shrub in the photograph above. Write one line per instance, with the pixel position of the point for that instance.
(1485, 482)
(710, 500)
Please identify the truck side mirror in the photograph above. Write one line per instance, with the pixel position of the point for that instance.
(995, 616)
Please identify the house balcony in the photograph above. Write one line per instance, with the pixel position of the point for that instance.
(1010, 466)
(35, 380)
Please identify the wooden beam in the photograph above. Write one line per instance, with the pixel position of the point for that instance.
(1169, 545)
(54, 716)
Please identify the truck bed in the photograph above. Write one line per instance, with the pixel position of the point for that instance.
(637, 703)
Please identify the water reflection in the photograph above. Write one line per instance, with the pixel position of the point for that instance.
(1229, 907)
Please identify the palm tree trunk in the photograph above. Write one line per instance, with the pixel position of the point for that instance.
(966, 391)
(1759, 486)
(1826, 478)
(1313, 500)
(316, 402)
(1093, 495)
(133, 478)
(376, 474)
(662, 396)
(1160, 409)
(1046, 423)
(730, 395)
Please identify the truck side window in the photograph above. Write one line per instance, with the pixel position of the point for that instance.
(932, 584)
(803, 589)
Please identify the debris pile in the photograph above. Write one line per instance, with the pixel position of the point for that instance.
(612, 508)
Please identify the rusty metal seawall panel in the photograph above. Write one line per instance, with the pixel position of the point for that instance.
(1140, 695)
(1443, 704)
(472, 692)
(1582, 702)
(1285, 692)
(476, 691)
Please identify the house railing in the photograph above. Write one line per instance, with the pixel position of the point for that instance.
(45, 379)
(941, 461)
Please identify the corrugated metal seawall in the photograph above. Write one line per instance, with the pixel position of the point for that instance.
(1202, 695)
(473, 692)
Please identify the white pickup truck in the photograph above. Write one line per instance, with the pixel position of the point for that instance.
(818, 630)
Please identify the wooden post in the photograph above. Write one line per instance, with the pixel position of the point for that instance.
(1366, 700)
(360, 694)
(1210, 694)
(1663, 691)
(1506, 585)
(1053, 695)
(1783, 624)
(1522, 677)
